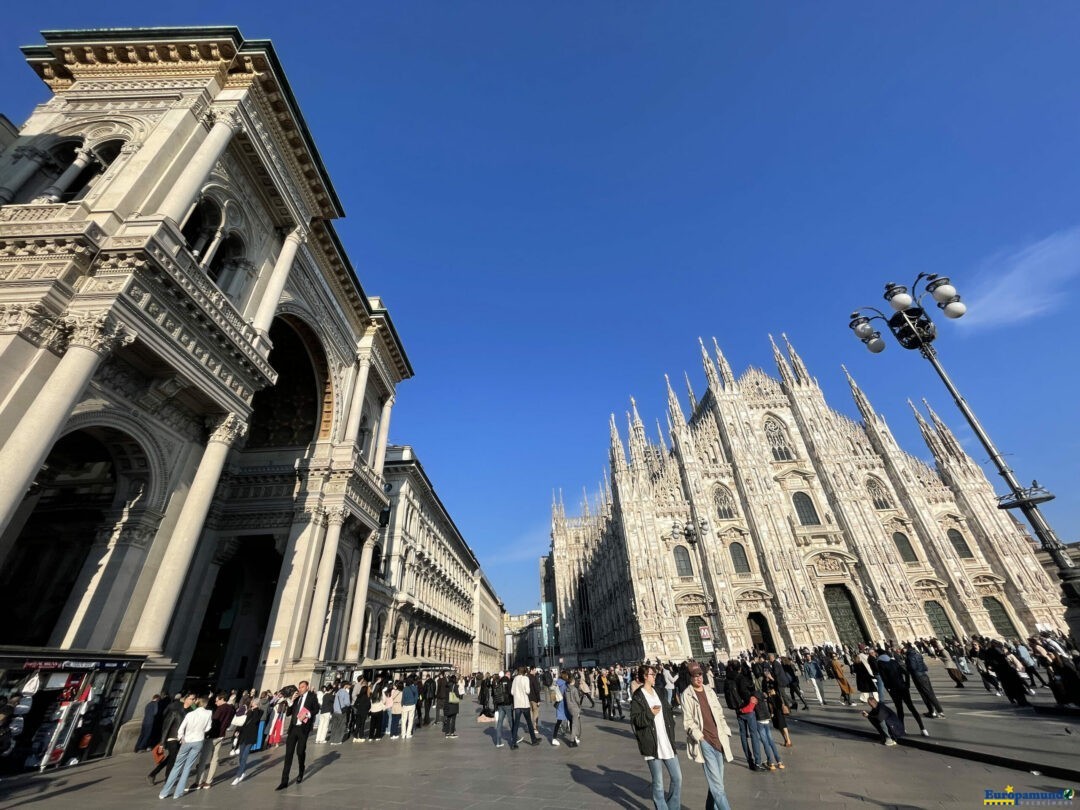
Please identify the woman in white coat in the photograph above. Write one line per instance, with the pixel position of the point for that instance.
(708, 739)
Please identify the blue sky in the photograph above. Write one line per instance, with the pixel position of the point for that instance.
(556, 199)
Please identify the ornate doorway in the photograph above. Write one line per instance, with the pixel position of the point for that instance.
(850, 629)
(939, 620)
(1000, 618)
(693, 632)
(761, 637)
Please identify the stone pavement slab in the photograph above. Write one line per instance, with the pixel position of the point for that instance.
(824, 768)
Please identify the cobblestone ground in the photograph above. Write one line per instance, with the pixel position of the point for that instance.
(824, 768)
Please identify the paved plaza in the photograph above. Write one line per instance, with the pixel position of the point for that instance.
(825, 767)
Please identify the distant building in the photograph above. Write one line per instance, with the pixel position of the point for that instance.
(772, 521)
(524, 640)
(549, 628)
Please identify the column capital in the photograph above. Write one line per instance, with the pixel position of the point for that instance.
(229, 117)
(100, 332)
(226, 428)
(337, 515)
(372, 539)
(299, 234)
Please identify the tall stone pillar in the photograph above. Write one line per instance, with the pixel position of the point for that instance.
(190, 182)
(353, 652)
(29, 161)
(268, 304)
(384, 434)
(83, 157)
(149, 636)
(317, 612)
(356, 405)
(91, 337)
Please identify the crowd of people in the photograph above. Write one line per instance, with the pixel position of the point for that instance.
(194, 734)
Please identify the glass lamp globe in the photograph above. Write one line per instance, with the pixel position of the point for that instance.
(944, 293)
(876, 345)
(864, 329)
(901, 300)
(954, 309)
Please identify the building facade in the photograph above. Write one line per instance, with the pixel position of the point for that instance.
(196, 390)
(523, 634)
(428, 598)
(774, 521)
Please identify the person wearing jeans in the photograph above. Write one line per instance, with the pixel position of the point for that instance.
(192, 733)
(409, 696)
(654, 729)
(707, 735)
(248, 739)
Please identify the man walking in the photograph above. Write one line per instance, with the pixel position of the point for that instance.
(534, 696)
(920, 676)
(895, 680)
(339, 720)
(302, 711)
(707, 735)
(813, 673)
(429, 698)
(409, 696)
(503, 701)
(519, 690)
(442, 694)
(219, 730)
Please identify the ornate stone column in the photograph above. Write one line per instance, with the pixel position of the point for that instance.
(91, 337)
(356, 405)
(29, 161)
(268, 304)
(83, 157)
(356, 623)
(190, 182)
(384, 434)
(317, 612)
(149, 636)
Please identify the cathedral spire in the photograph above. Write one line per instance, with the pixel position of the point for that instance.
(933, 441)
(585, 502)
(865, 408)
(617, 451)
(801, 374)
(948, 440)
(725, 369)
(637, 437)
(690, 390)
(674, 408)
(660, 433)
(711, 377)
(781, 363)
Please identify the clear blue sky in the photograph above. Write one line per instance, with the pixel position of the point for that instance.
(556, 199)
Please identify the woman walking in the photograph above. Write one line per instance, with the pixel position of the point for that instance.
(248, 738)
(277, 727)
(558, 697)
(838, 673)
(192, 734)
(453, 705)
(654, 728)
(573, 705)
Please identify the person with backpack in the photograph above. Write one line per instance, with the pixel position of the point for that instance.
(504, 705)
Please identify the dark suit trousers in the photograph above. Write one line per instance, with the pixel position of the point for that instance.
(295, 743)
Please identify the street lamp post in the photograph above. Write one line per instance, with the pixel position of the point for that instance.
(913, 329)
(693, 533)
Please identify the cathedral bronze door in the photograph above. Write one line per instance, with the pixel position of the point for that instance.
(693, 631)
(939, 620)
(850, 629)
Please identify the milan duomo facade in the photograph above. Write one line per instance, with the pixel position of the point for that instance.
(774, 521)
(195, 395)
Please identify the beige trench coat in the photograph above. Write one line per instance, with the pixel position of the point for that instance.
(695, 731)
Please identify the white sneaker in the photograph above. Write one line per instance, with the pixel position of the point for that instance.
(555, 742)
(238, 780)
(925, 733)
(577, 740)
(890, 742)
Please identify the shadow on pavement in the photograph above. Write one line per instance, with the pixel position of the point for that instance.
(52, 794)
(891, 805)
(622, 788)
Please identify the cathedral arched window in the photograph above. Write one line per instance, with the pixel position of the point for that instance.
(778, 440)
(804, 508)
(725, 504)
(878, 494)
(738, 558)
(683, 566)
(960, 544)
(903, 545)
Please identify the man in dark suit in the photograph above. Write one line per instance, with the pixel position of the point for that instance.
(302, 711)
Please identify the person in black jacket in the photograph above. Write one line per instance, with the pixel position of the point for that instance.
(656, 738)
(920, 676)
(898, 685)
(884, 719)
(429, 698)
(302, 710)
(738, 689)
(503, 701)
(174, 716)
(248, 738)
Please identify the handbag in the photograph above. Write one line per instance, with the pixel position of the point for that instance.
(159, 753)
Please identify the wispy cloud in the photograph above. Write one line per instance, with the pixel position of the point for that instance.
(1014, 286)
(530, 545)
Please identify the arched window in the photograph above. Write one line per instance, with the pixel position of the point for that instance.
(201, 226)
(738, 558)
(725, 504)
(960, 544)
(878, 494)
(804, 508)
(778, 440)
(683, 566)
(903, 545)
